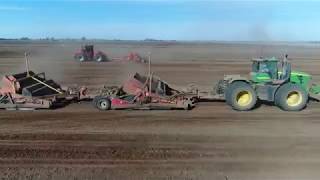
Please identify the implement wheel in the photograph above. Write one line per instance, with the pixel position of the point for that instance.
(103, 104)
(291, 97)
(241, 96)
(95, 100)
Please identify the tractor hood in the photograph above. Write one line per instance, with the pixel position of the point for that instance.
(296, 73)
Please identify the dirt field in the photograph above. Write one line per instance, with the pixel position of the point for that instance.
(209, 142)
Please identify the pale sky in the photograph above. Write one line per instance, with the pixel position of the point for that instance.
(162, 19)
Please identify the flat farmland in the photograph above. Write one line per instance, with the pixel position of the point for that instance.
(212, 141)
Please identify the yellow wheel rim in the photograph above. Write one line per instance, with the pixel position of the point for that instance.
(294, 98)
(244, 98)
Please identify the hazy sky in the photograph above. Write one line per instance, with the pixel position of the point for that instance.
(162, 19)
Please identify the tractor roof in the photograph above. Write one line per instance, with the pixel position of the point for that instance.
(265, 59)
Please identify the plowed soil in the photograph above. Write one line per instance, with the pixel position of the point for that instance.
(209, 142)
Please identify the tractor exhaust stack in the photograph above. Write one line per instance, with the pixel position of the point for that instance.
(27, 63)
(149, 73)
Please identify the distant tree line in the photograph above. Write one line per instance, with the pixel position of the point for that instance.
(77, 39)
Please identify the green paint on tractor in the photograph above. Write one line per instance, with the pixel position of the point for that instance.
(266, 70)
(315, 89)
(270, 80)
(301, 78)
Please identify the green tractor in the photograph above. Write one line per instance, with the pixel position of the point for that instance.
(272, 81)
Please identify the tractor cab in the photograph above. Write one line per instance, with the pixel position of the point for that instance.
(88, 51)
(265, 70)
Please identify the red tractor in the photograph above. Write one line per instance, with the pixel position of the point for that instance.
(87, 53)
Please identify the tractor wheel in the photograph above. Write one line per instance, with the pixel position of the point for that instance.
(81, 58)
(291, 97)
(100, 58)
(103, 104)
(188, 105)
(95, 101)
(241, 96)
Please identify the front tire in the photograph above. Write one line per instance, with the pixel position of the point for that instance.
(291, 97)
(100, 57)
(188, 105)
(103, 104)
(80, 58)
(241, 96)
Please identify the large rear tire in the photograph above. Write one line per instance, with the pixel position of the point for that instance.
(103, 104)
(291, 97)
(80, 58)
(241, 96)
(100, 57)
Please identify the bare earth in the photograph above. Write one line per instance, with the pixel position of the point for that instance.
(209, 142)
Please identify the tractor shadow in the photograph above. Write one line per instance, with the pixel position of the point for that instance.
(271, 104)
(266, 103)
(63, 104)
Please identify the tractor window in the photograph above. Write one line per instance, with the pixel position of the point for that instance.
(88, 48)
(273, 69)
(263, 67)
